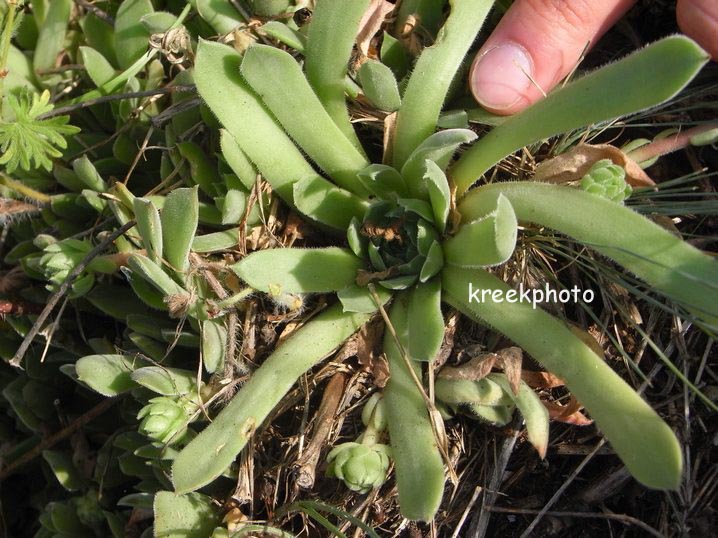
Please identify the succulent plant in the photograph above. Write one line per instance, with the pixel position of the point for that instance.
(608, 180)
(361, 467)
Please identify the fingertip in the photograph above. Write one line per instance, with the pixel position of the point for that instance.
(698, 19)
(500, 77)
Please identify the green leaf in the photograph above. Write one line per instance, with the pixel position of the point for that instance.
(98, 68)
(419, 467)
(284, 34)
(214, 344)
(439, 148)
(439, 193)
(184, 516)
(179, 217)
(232, 205)
(157, 22)
(394, 56)
(153, 273)
(330, 43)
(383, 181)
(269, 8)
(214, 449)
(534, 412)
(358, 299)
(323, 202)
(426, 322)
(216, 241)
(668, 264)
(644, 79)
(88, 175)
(51, 39)
(299, 270)
(379, 85)
(433, 263)
(28, 142)
(166, 381)
(487, 241)
(221, 15)
(203, 173)
(235, 105)
(64, 470)
(109, 375)
(131, 38)
(280, 83)
(641, 439)
(432, 76)
(150, 227)
(237, 159)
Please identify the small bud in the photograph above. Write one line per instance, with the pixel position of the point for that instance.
(165, 419)
(361, 467)
(608, 180)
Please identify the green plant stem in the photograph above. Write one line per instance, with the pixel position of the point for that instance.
(644, 442)
(432, 76)
(231, 301)
(24, 190)
(664, 261)
(5, 46)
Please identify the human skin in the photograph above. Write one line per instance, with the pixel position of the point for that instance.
(539, 42)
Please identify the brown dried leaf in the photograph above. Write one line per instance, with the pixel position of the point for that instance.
(371, 23)
(477, 368)
(575, 163)
(541, 380)
(10, 208)
(569, 413)
(389, 129)
(510, 360)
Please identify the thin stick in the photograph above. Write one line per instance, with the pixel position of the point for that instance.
(55, 438)
(622, 518)
(541, 513)
(33, 332)
(60, 111)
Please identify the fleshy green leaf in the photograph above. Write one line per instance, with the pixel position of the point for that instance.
(166, 381)
(534, 412)
(299, 270)
(51, 39)
(130, 35)
(98, 68)
(184, 516)
(323, 202)
(664, 261)
(64, 469)
(219, 14)
(109, 375)
(486, 241)
(330, 43)
(621, 88)
(419, 467)
(150, 227)
(439, 148)
(383, 181)
(237, 160)
(379, 85)
(284, 34)
(426, 323)
(280, 83)
(358, 299)
(439, 193)
(642, 440)
(214, 344)
(236, 106)
(432, 76)
(179, 217)
(214, 449)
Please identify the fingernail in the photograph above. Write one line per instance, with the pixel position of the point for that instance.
(501, 75)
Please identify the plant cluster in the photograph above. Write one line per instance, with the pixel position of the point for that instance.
(150, 218)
